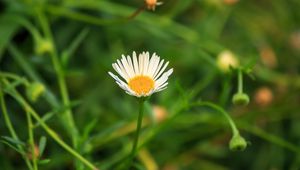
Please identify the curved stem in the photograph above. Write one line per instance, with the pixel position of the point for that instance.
(234, 129)
(11, 128)
(15, 94)
(15, 77)
(182, 108)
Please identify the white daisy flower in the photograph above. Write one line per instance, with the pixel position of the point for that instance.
(143, 75)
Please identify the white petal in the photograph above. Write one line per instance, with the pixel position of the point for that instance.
(158, 90)
(135, 64)
(128, 69)
(132, 94)
(117, 78)
(154, 67)
(123, 69)
(150, 92)
(163, 78)
(151, 65)
(131, 65)
(162, 86)
(146, 63)
(141, 63)
(125, 87)
(122, 84)
(158, 68)
(161, 71)
(119, 71)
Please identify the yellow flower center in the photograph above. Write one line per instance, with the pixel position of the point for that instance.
(141, 84)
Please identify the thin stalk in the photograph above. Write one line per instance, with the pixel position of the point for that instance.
(240, 81)
(138, 128)
(234, 129)
(61, 79)
(11, 128)
(183, 108)
(128, 162)
(15, 77)
(31, 140)
(15, 94)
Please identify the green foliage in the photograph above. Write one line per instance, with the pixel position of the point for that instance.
(80, 119)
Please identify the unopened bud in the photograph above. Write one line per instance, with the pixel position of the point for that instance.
(43, 46)
(237, 143)
(36, 152)
(227, 59)
(160, 113)
(35, 90)
(151, 4)
(240, 99)
(263, 96)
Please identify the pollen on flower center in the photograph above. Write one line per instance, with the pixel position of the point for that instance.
(141, 84)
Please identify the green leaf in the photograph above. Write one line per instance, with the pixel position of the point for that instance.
(74, 45)
(12, 146)
(42, 145)
(13, 141)
(61, 109)
(7, 30)
(44, 161)
(250, 64)
(88, 128)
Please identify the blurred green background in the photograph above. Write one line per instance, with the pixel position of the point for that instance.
(89, 35)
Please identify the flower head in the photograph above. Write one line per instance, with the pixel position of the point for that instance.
(227, 59)
(151, 4)
(143, 75)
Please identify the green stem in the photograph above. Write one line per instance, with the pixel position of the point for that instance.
(182, 108)
(15, 77)
(61, 80)
(240, 81)
(51, 132)
(234, 129)
(11, 128)
(126, 165)
(31, 141)
(138, 128)
(22, 61)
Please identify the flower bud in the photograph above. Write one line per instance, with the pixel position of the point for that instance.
(241, 99)
(151, 4)
(160, 113)
(237, 143)
(263, 96)
(43, 46)
(225, 60)
(36, 152)
(34, 91)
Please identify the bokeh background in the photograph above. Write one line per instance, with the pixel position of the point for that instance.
(89, 35)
